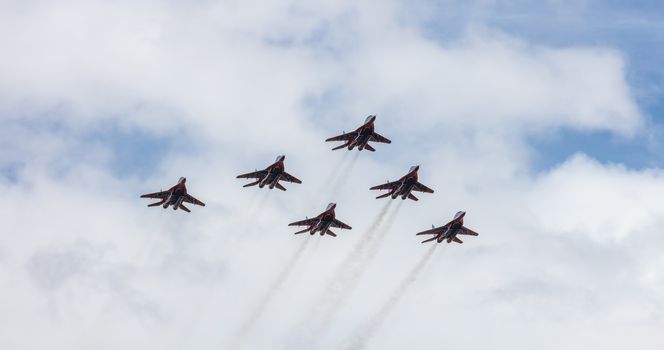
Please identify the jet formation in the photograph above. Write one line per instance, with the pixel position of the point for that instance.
(271, 176)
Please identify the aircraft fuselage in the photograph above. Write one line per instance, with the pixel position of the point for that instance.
(176, 196)
(324, 222)
(363, 135)
(453, 229)
(273, 176)
(406, 187)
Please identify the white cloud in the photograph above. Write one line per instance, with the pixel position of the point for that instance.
(567, 258)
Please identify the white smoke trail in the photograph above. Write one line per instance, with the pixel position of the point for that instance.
(348, 273)
(254, 211)
(269, 294)
(393, 216)
(365, 335)
(337, 169)
(359, 262)
(342, 177)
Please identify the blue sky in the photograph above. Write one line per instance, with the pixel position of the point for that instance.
(634, 28)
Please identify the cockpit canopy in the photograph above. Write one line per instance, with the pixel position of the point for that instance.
(182, 180)
(279, 158)
(459, 213)
(369, 118)
(330, 206)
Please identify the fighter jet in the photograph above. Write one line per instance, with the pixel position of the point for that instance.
(271, 176)
(175, 196)
(322, 223)
(360, 138)
(450, 230)
(404, 186)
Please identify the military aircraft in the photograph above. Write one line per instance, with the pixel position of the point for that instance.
(360, 138)
(322, 223)
(404, 186)
(175, 196)
(271, 176)
(450, 230)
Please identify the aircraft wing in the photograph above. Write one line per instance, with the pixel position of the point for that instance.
(157, 195)
(339, 224)
(387, 186)
(343, 137)
(419, 187)
(190, 199)
(380, 138)
(255, 175)
(466, 231)
(307, 222)
(290, 178)
(433, 231)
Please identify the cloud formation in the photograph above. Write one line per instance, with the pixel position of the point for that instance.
(566, 258)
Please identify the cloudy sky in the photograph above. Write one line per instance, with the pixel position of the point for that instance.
(543, 120)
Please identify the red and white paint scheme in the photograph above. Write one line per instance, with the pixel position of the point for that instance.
(175, 196)
(322, 223)
(271, 176)
(404, 186)
(360, 137)
(450, 230)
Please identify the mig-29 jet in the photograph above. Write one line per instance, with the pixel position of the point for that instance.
(450, 230)
(271, 176)
(360, 138)
(175, 196)
(404, 186)
(322, 223)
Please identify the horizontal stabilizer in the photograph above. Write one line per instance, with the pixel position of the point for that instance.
(369, 148)
(340, 147)
(412, 197)
(156, 204)
(430, 239)
(279, 186)
(329, 232)
(252, 183)
(384, 195)
(466, 231)
(303, 231)
(184, 208)
(456, 239)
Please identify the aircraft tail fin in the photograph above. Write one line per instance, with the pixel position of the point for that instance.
(369, 148)
(279, 186)
(184, 208)
(329, 232)
(303, 231)
(384, 195)
(252, 183)
(411, 196)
